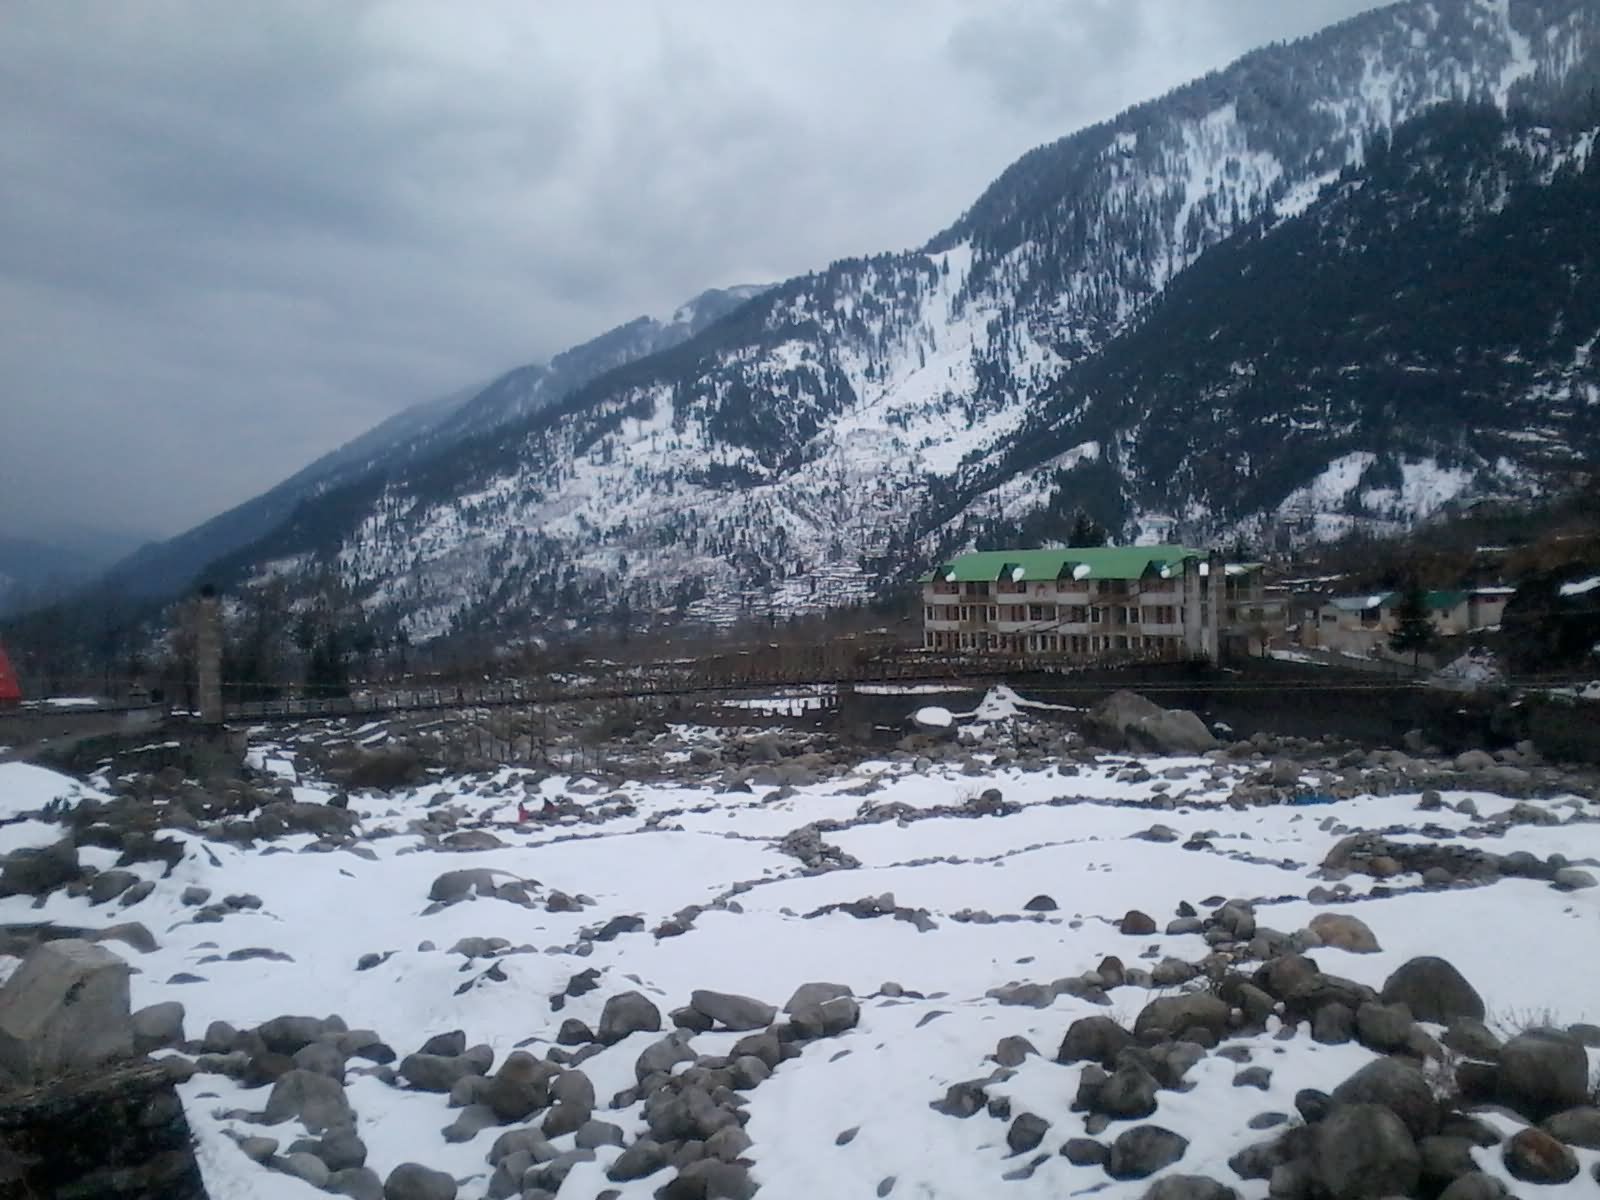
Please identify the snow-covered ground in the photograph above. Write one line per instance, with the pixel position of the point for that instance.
(1077, 832)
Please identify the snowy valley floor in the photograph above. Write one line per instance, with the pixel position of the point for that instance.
(1038, 885)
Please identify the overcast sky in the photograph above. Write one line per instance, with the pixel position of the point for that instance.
(235, 234)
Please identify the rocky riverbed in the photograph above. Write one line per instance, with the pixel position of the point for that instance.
(995, 961)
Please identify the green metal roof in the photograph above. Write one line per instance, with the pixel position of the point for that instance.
(1100, 562)
(1440, 601)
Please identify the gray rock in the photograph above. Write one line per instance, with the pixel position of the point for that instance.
(738, 1013)
(1384, 1027)
(1189, 1187)
(108, 885)
(1144, 1150)
(1344, 932)
(808, 995)
(710, 1179)
(625, 1013)
(470, 881)
(157, 1026)
(37, 871)
(1364, 1152)
(436, 1072)
(563, 1119)
(64, 1009)
(1474, 1186)
(361, 1183)
(662, 1056)
(1126, 720)
(1571, 879)
(1175, 1014)
(644, 1157)
(1396, 1086)
(1533, 1156)
(1084, 1152)
(1137, 924)
(342, 1149)
(1333, 1024)
(288, 1035)
(1472, 1038)
(258, 1149)
(319, 1103)
(1129, 1092)
(1543, 1072)
(413, 1181)
(470, 1121)
(322, 1058)
(1026, 1132)
(594, 1134)
(303, 1165)
(1576, 1127)
(1433, 990)
(1012, 1051)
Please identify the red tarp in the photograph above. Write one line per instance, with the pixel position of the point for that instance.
(10, 691)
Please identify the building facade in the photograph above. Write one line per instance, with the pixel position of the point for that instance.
(1156, 601)
(1362, 625)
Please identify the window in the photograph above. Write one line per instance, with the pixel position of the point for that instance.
(994, 613)
(1041, 612)
(1011, 589)
(1112, 587)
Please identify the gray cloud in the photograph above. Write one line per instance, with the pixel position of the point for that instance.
(235, 235)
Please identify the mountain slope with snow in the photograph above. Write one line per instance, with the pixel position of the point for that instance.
(832, 431)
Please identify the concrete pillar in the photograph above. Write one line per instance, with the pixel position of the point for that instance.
(208, 655)
(1216, 582)
(1193, 593)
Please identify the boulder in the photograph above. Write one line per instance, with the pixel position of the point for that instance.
(1189, 1187)
(1137, 924)
(289, 1035)
(413, 1181)
(437, 1072)
(1095, 1039)
(808, 995)
(157, 1026)
(1178, 1013)
(1126, 720)
(64, 1009)
(316, 1101)
(341, 1150)
(1026, 1132)
(1130, 1092)
(1144, 1150)
(644, 1157)
(625, 1013)
(738, 1013)
(1476, 1186)
(36, 871)
(1364, 1152)
(1533, 1156)
(468, 881)
(1576, 1127)
(1344, 932)
(1433, 990)
(1396, 1086)
(1384, 1027)
(1542, 1072)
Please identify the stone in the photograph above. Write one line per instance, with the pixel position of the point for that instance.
(727, 1143)
(1127, 720)
(157, 1026)
(361, 1183)
(288, 1035)
(1129, 1092)
(341, 1149)
(1344, 932)
(738, 1013)
(413, 1181)
(1396, 1086)
(1137, 924)
(447, 1045)
(1013, 1050)
(322, 1058)
(64, 1009)
(710, 1179)
(108, 885)
(1333, 1024)
(37, 871)
(1189, 1187)
(303, 1165)
(563, 1119)
(1472, 1038)
(1364, 1152)
(1576, 1127)
(316, 1101)
(1144, 1150)
(1084, 1152)
(809, 995)
(1474, 1186)
(1175, 1014)
(1571, 879)
(1026, 1132)
(258, 1149)
(436, 1072)
(662, 1056)
(1094, 1039)
(1384, 1027)
(594, 1134)
(645, 1157)
(1444, 1159)
(1433, 991)
(1041, 903)
(1533, 1156)
(625, 1013)
(1543, 1072)
(574, 1032)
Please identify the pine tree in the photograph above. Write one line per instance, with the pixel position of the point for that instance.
(1086, 531)
(1413, 631)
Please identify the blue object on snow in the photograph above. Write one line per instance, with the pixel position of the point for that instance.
(1305, 798)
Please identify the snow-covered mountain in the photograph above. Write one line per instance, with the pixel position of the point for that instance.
(416, 433)
(832, 432)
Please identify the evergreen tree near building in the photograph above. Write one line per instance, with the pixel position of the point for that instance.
(1086, 532)
(1413, 631)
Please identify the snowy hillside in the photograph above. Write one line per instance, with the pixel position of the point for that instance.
(1015, 966)
(841, 427)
